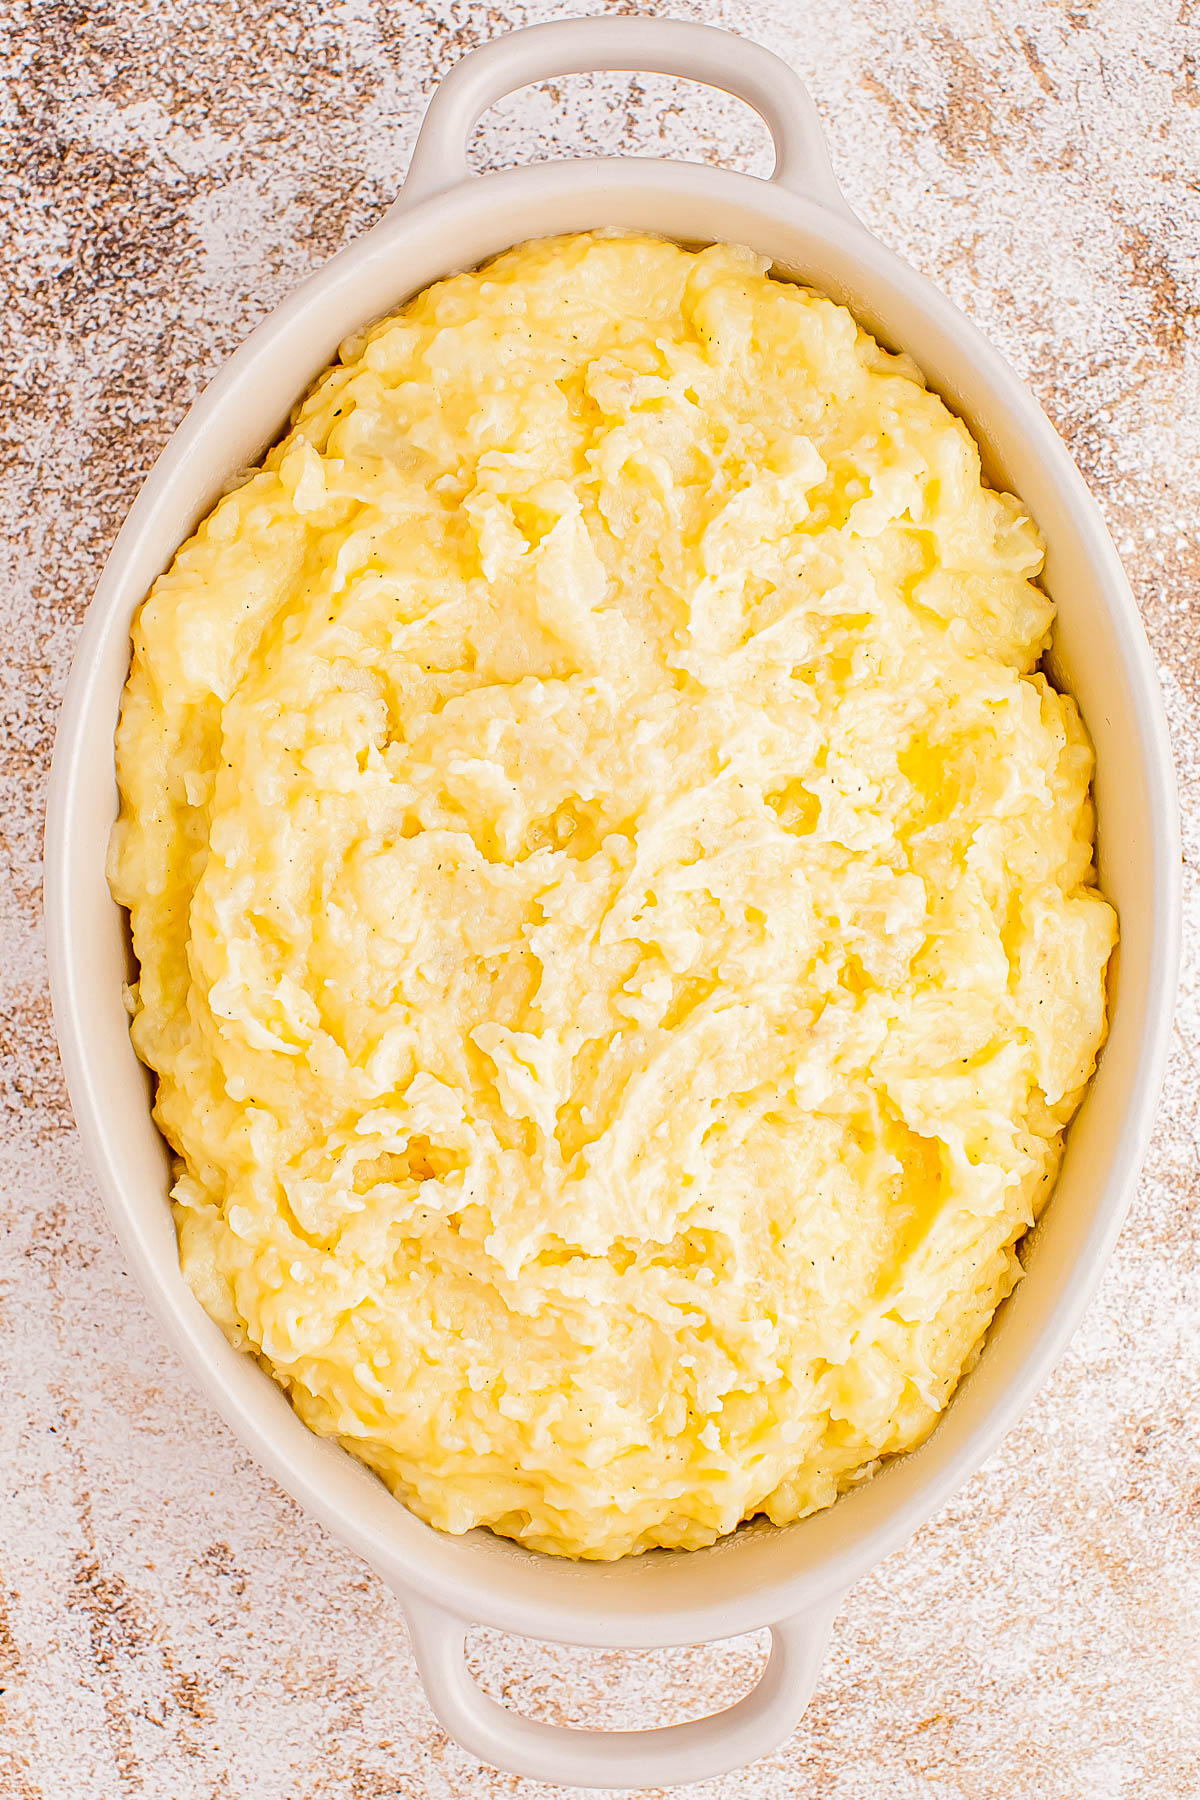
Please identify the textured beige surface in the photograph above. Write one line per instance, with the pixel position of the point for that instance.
(170, 1625)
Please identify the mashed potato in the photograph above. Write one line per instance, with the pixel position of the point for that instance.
(614, 899)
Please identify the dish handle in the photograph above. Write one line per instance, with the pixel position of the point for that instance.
(661, 46)
(663, 1756)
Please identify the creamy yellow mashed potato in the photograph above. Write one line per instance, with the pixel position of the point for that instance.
(614, 898)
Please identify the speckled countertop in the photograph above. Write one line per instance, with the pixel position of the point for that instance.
(170, 1624)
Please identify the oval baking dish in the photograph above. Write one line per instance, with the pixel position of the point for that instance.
(790, 1579)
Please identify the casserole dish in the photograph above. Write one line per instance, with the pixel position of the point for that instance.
(790, 1579)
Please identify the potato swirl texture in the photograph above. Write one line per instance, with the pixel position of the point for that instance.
(614, 896)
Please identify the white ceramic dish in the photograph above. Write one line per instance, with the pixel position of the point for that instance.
(789, 1579)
